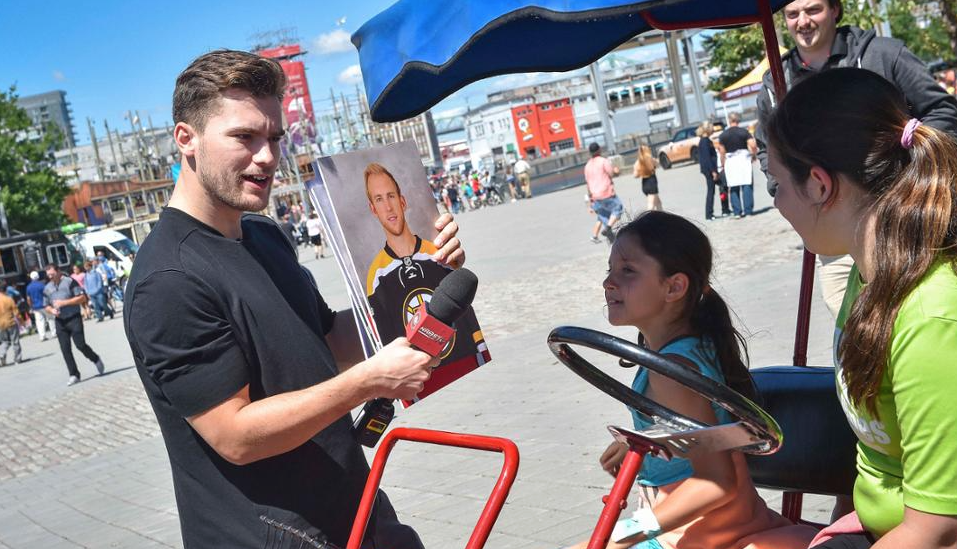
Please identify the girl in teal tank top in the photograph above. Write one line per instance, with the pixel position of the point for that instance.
(659, 282)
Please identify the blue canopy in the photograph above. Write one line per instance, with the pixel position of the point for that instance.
(417, 52)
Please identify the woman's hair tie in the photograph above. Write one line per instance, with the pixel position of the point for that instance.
(907, 138)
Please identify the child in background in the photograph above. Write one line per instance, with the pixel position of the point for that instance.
(659, 282)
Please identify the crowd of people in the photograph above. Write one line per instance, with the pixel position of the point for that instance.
(459, 191)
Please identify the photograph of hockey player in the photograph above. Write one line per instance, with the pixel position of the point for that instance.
(403, 275)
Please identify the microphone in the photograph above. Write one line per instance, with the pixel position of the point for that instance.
(430, 331)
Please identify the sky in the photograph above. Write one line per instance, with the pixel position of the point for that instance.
(111, 57)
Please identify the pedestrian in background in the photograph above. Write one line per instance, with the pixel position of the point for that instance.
(708, 161)
(9, 327)
(738, 151)
(602, 200)
(314, 231)
(41, 319)
(523, 173)
(79, 274)
(62, 297)
(645, 166)
(95, 288)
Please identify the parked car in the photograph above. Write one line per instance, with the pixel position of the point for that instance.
(684, 146)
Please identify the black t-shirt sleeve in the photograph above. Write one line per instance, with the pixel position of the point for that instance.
(186, 344)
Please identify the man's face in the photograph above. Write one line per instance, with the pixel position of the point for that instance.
(238, 150)
(386, 203)
(812, 24)
(53, 274)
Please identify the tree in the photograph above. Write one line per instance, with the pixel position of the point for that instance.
(30, 189)
(937, 39)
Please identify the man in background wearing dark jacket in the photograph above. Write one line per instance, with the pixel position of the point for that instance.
(822, 45)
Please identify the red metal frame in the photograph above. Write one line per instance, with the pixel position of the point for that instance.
(720, 22)
(617, 500)
(461, 440)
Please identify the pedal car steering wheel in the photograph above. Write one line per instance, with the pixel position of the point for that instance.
(755, 432)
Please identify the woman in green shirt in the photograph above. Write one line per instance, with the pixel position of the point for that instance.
(857, 175)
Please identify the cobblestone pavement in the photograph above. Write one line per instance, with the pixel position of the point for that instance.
(86, 467)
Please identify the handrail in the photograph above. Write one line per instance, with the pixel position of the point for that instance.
(443, 438)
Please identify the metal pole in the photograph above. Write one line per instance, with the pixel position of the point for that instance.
(677, 85)
(142, 135)
(335, 111)
(594, 70)
(139, 151)
(109, 138)
(692, 63)
(119, 145)
(96, 148)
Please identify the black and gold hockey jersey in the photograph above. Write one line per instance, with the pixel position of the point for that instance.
(398, 286)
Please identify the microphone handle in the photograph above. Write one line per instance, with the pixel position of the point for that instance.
(372, 421)
(425, 333)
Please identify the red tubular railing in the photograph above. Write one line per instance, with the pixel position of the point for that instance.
(617, 500)
(476, 442)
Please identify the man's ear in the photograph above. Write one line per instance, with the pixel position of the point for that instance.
(186, 139)
(677, 287)
(371, 208)
(821, 187)
(402, 201)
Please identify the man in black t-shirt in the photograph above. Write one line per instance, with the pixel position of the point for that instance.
(250, 373)
(737, 150)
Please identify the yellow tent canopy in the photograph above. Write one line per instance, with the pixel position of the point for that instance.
(749, 83)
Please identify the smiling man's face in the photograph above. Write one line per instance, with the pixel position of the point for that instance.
(812, 24)
(387, 203)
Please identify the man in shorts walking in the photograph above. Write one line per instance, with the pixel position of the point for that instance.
(601, 193)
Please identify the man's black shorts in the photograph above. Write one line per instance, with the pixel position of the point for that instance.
(649, 185)
(316, 239)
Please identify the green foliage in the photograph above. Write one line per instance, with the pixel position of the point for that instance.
(930, 43)
(30, 189)
(734, 52)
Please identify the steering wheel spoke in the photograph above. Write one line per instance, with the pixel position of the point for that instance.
(755, 432)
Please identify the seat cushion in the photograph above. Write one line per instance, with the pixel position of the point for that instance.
(818, 454)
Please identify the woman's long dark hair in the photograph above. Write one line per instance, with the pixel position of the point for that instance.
(850, 122)
(680, 247)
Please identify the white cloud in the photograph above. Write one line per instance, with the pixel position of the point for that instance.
(351, 75)
(57, 75)
(336, 41)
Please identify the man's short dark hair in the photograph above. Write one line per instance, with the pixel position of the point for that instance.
(51, 266)
(840, 8)
(594, 148)
(734, 118)
(199, 87)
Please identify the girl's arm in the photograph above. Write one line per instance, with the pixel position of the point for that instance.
(714, 482)
(920, 529)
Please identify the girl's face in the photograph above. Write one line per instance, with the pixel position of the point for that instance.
(794, 203)
(635, 289)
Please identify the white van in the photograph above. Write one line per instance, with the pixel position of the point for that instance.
(115, 245)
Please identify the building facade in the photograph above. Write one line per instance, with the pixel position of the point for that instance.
(46, 108)
(129, 206)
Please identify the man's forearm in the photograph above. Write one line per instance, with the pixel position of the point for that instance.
(281, 423)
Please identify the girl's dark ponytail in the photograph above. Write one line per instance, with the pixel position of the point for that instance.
(712, 319)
